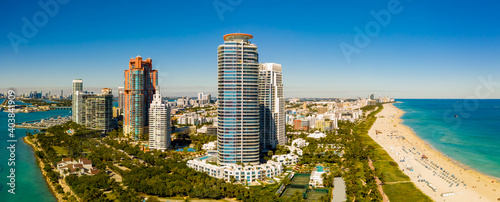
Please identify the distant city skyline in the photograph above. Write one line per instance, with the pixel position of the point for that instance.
(422, 50)
(193, 94)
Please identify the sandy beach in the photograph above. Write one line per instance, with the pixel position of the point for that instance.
(438, 176)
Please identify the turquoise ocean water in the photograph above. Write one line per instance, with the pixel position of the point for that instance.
(472, 137)
(30, 185)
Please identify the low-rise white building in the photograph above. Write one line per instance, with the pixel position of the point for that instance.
(202, 130)
(317, 135)
(316, 180)
(287, 159)
(299, 142)
(192, 118)
(294, 150)
(245, 174)
(209, 146)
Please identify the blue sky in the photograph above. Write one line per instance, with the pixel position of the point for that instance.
(426, 50)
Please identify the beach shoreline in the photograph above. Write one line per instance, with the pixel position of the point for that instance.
(458, 163)
(445, 175)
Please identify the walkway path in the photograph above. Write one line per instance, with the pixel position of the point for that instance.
(379, 183)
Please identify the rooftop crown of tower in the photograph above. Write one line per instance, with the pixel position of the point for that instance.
(237, 37)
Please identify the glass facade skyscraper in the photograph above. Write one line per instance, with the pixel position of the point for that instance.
(238, 103)
(92, 110)
(95, 111)
(140, 85)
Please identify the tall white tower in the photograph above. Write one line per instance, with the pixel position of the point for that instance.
(159, 124)
(77, 88)
(272, 106)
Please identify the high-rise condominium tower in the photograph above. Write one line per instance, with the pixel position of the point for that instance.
(140, 84)
(159, 123)
(272, 106)
(238, 104)
(77, 87)
(92, 110)
(95, 111)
